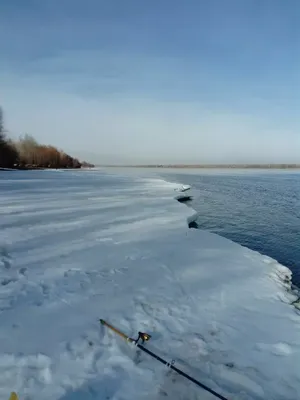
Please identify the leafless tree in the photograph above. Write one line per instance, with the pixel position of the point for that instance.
(8, 153)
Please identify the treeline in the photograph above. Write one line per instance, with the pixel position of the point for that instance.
(27, 153)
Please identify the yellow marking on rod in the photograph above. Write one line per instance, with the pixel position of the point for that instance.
(13, 396)
(117, 331)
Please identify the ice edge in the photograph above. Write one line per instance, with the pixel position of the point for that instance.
(285, 273)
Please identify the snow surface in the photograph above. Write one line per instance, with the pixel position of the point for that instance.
(79, 246)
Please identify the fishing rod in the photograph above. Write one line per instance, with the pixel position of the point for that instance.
(145, 337)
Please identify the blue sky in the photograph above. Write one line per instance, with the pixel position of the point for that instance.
(154, 81)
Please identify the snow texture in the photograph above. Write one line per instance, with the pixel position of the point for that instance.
(79, 246)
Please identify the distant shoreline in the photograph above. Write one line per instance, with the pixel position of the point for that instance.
(212, 166)
(25, 168)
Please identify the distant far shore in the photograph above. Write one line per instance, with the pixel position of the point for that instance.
(213, 166)
(33, 168)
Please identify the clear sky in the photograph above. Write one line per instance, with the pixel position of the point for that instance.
(170, 81)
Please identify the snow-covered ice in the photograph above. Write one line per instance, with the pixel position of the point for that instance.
(82, 245)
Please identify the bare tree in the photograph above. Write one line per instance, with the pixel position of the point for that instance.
(28, 147)
(1, 123)
(8, 153)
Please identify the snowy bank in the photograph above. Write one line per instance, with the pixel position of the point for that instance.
(80, 246)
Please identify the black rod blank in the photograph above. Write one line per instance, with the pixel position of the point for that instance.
(171, 366)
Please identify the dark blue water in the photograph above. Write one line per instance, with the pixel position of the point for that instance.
(260, 210)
